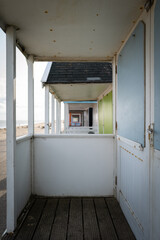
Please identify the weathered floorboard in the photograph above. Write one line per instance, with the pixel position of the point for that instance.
(27, 230)
(44, 227)
(105, 223)
(122, 227)
(73, 219)
(59, 228)
(75, 226)
(91, 230)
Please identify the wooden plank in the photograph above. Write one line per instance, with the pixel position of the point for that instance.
(91, 230)
(75, 227)
(59, 229)
(105, 223)
(44, 228)
(122, 227)
(27, 230)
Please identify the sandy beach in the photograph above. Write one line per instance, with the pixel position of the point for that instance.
(20, 131)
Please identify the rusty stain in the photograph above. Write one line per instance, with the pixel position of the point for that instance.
(51, 30)
(97, 14)
(134, 21)
(141, 8)
(122, 41)
(46, 11)
(132, 212)
(54, 41)
(131, 153)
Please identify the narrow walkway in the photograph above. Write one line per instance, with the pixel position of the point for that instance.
(73, 219)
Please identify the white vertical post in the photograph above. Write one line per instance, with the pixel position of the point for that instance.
(30, 62)
(114, 92)
(97, 118)
(66, 118)
(60, 117)
(11, 125)
(57, 117)
(46, 109)
(53, 115)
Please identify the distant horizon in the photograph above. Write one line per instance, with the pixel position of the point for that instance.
(21, 84)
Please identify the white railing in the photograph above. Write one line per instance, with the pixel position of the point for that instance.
(82, 130)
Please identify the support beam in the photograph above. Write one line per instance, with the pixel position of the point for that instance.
(60, 117)
(11, 125)
(114, 93)
(53, 114)
(57, 117)
(46, 109)
(66, 117)
(30, 62)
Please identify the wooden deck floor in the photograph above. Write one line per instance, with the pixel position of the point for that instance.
(73, 219)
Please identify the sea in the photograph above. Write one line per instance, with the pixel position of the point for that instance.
(18, 123)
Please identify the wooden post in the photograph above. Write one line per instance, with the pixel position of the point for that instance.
(53, 114)
(46, 109)
(57, 117)
(11, 125)
(30, 62)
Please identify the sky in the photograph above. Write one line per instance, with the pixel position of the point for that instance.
(21, 85)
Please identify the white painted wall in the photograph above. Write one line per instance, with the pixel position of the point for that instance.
(73, 165)
(155, 195)
(22, 173)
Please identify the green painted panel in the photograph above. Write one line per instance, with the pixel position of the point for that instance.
(108, 114)
(100, 116)
(105, 114)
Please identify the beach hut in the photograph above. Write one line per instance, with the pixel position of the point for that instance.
(125, 164)
(80, 85)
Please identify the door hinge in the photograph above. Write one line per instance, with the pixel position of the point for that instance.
(148, 4)
(150, 131)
